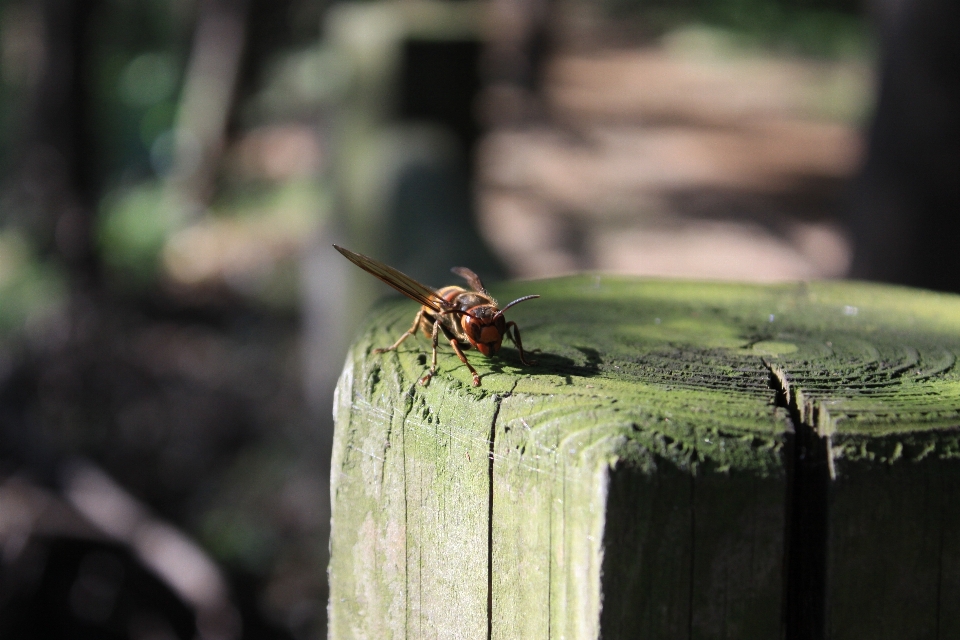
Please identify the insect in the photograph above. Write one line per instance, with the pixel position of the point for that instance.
(465, 317)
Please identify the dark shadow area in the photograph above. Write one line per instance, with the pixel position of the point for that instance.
(439, 83)
(151, 398)
(904, 215)
(84, 589)
(548, 364)
(648, 543)
(810, 198)
(805, 561)
(692, 552)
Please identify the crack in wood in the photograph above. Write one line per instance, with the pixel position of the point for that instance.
(490, 460)
(809, 473)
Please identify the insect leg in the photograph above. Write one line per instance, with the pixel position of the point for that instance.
(433, 367)
(463, 359)
(412, 330)
(516, 340)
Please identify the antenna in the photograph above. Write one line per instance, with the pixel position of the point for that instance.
(517, 301)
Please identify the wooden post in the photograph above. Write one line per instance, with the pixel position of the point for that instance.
(686, 460)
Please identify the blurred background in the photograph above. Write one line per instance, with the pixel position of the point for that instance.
(173, 172)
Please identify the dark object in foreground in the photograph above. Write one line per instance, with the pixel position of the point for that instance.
(904, 219)
(464, 317)
(81, 588)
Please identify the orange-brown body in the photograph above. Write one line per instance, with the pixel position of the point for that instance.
(481, 327)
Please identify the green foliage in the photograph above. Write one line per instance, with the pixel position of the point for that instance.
(134, 225)
(30, 289)
(137, 55)
(832, 30)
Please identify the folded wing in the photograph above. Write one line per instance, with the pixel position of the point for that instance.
(400, 281)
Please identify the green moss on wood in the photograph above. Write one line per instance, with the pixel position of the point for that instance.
(635, 480)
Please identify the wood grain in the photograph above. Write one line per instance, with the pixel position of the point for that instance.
(643, 480)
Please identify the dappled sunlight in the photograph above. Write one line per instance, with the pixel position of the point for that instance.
(720, 251)
(697, 157)
(243, 248)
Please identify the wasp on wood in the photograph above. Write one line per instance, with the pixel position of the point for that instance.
(465, 317)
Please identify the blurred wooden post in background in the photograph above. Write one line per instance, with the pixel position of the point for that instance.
(406, 129)
(403, 134)
(687, 460)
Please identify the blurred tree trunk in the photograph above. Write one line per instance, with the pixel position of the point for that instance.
(208, 99)
(59, 171)
(906, 218)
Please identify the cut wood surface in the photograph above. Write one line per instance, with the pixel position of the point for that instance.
(685, 460)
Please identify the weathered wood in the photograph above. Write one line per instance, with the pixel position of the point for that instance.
(643, 479)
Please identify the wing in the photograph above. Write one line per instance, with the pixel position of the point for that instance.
(399, 281)
(472, 279)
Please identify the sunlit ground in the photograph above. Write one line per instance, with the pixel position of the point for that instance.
(688, 159)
